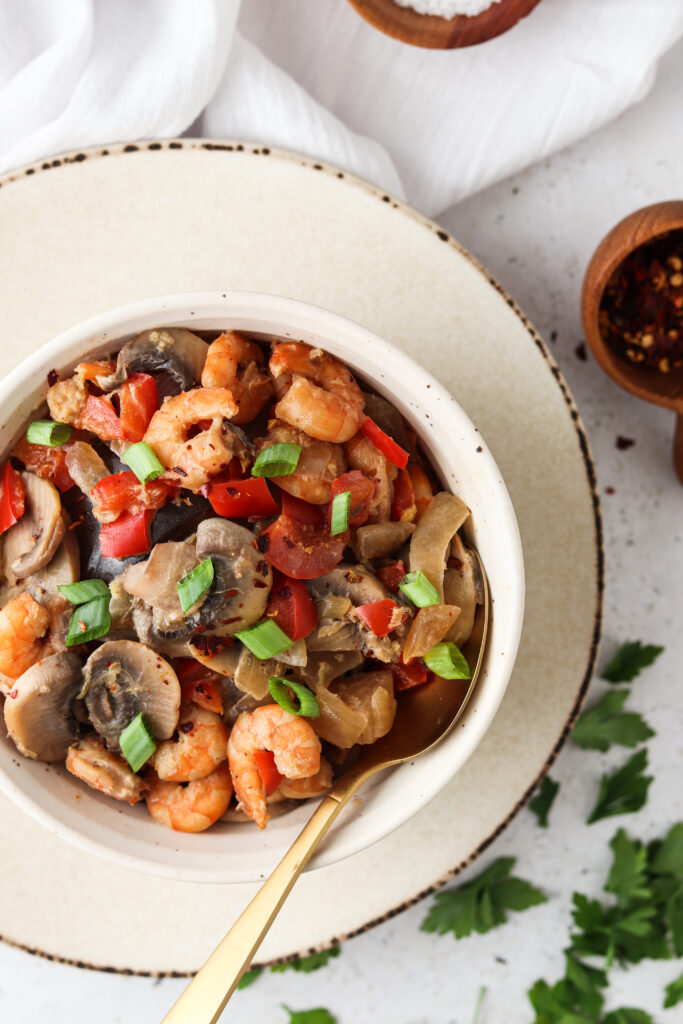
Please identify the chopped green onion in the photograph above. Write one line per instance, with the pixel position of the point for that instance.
(447, 661)
(417, 587)
(85, 590)
(278, 460)
(137, 746)
(265, 639)
(195, 584)
(48, 432)
(89, 622)
(143, 462)
(307, 706)
(339, 513)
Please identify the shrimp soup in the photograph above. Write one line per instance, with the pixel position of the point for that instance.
(223, 562)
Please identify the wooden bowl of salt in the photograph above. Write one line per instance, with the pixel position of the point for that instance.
(444, 24)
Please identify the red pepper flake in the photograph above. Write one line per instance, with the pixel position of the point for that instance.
(52, 377)
(641, 313)
(13, 694)
(624, 443)
(82, 626)
(581, 353)
(610, 490)
(186, 726)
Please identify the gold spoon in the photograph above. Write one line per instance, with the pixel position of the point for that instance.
(425, 716)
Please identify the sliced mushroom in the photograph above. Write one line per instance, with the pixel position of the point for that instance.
(42, 585)
(39, 709)
(324, 667)
(360, 586)
(379, 540)
(174, 643)
(30, 544)
(124, 678)
(173, 351)
(371, 693)
(156, 580)
(242, 578)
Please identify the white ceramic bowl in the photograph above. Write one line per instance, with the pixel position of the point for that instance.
(240, 853)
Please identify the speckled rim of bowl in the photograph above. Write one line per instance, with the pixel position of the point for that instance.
(346, 339)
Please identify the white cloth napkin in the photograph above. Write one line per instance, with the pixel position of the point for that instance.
(310, 75)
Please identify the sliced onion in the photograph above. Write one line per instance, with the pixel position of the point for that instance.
(429, 626)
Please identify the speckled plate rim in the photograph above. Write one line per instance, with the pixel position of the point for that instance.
(373, 191)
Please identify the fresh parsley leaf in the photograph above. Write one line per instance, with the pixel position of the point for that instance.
(543, 801)
(605, 723)
(627, 878)
(481, 904)
(625, 791)
(667, 858)
(674, 913)
(249, 978)
(317, 1016)
(630, 660)
(628, 1015)
(673, 993)
(313, 962)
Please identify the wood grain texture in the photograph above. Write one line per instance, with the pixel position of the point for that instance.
(406, 25)
(629, 234)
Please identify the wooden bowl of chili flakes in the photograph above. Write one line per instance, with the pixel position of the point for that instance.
(632, 308)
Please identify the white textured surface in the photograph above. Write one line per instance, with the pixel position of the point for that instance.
(536, 233)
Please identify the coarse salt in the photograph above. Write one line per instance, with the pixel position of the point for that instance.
(448, 8)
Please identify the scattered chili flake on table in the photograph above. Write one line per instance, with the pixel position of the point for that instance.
(641, 313)
(624, 443)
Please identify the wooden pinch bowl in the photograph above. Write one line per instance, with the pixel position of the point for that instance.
(434, 33)
(629, 234)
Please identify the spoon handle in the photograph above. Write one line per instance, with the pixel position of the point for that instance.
(205, 997)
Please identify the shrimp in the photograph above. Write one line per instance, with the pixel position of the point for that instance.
(24, 635)
(251, 389)
(190, 806)
(196, 749)
(319, 464)
(317, 393)
(190, 462)
(294, 744)
(90, 761)
(361, 454)
(66, 399)
(314, 785)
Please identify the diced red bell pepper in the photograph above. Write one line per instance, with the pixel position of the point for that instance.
(381, 616)
(270, 776)
(100, 416)
(403, 507)
(12, 499)
(242, 498)
(407, 676)
(301, 551)
(385, 444)
(297, 508)
(48, 463)
(128, 535)
(123, 491)
(362, 492)
(138, 401)
(292, 606)
(392, 574)
(199, 685)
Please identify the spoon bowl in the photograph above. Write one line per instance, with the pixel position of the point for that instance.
(630, 234)
(426, 714)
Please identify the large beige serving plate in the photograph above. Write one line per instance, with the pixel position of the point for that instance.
(95, 232)
(231, 852)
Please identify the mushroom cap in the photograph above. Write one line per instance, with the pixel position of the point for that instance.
(38, 717)
(43, 585)
(242, 577)
(178, 353)
(124, 678)
(30, 544)
(156, 580)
